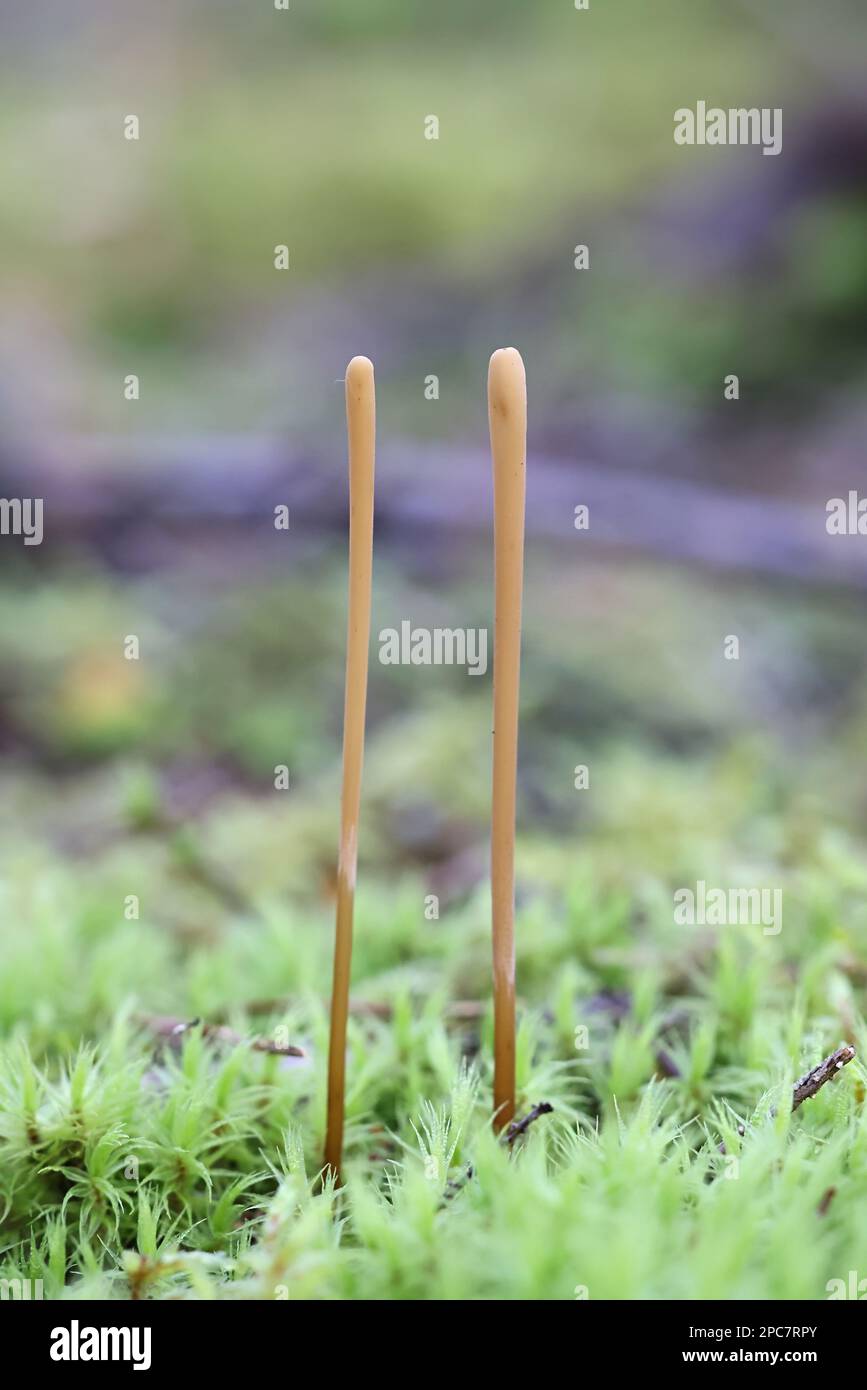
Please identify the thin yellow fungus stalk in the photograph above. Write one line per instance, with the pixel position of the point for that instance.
(361, 427)
(507, 416)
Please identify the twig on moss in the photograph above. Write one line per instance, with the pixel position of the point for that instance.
(814, 1079)
(518, 1127)
(173, 1029)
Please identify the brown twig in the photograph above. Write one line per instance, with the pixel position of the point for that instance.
(173, 1029)
(518, 1127)
(814, 1079)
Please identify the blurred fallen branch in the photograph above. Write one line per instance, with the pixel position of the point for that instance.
(173, 497)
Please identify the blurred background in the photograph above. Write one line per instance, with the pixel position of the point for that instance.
(707, 517)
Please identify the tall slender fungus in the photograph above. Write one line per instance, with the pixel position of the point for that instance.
(507, 417)
(361, 427)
